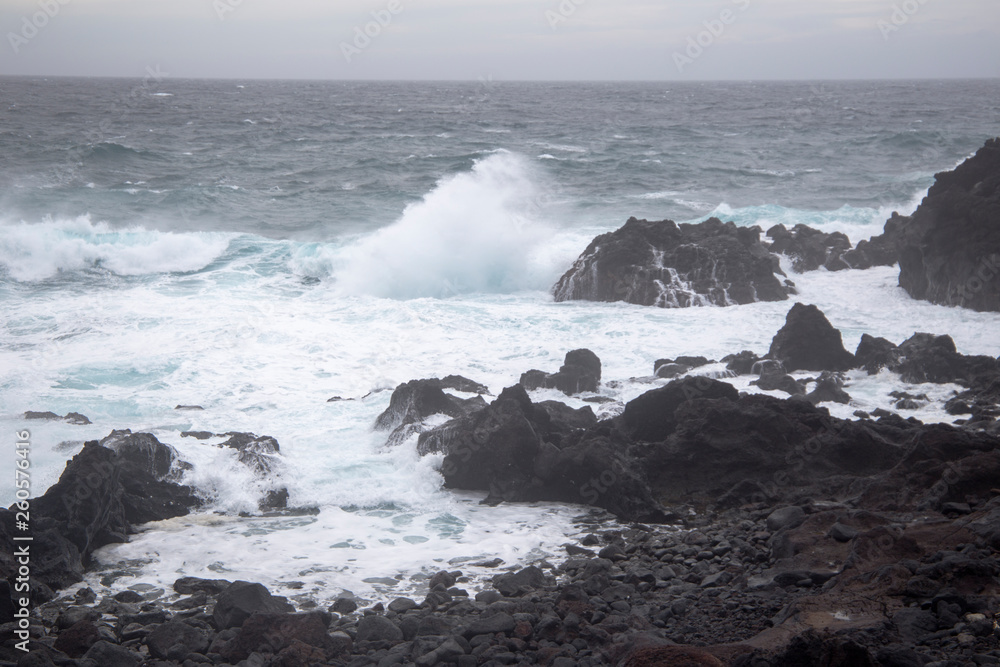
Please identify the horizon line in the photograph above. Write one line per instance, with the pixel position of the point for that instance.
(491, 80)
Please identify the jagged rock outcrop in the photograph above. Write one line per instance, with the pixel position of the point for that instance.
(580, 372)
(415, 401)
(809, 248)
(881, 250)
(517, 451)
(675, 266)
(950, 246)
(809, 342)
(103, 493)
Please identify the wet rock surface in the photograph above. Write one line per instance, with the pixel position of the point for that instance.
(950, 246)
(751, 531)
(673, 265)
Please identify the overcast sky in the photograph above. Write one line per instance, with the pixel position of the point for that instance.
(505, 40)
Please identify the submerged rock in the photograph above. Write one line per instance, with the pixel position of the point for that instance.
(675, 266)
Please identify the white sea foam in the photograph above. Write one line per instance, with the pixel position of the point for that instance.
(37, 251)
(479, 231)
(261, 351)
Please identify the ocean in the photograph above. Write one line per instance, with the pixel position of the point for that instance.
(256, 248)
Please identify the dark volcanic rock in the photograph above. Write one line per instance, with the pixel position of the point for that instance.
(774, 378)
(950, 250)
(459, 383)
(675, 266)
(874, 354)
(741, 363)
(809, 342)
(757, 446)
(241, 599)
(77, 639)
(929, 358)
(46, 416)
(415, 401)
(192, 585)
(650, 417)
(518, 451)
(259, 453)
(77, 419)
(378, 628)
(107, 654)
(829, 388)
(809, 248)
(515, 583)
(98, 499)
(175, 640)
(274, 632)
(581, 371)
(882, 250)
(670, 370)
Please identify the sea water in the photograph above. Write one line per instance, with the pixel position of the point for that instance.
(257, 248)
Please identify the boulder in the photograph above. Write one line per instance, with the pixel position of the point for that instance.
(273, 632)
(192, 585)
(259, 453)
(77, 639)
(41, 416)
(377, 629)
(950, 248)
(671, 370)
(650, 417)
(675, 266)
(874, 354)
(809, 248)
(491, 625)
(809, 342)
(785, 517)
(929, 358)
(829, 388)
(518, 582)
(741, 363)
(107, 654)
(241, 599)
(580, 372)
(174, 640)
(774, 378)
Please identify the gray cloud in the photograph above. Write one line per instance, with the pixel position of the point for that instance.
(509, 40)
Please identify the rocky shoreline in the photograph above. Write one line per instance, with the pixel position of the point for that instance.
(755, 530)
(751, 530)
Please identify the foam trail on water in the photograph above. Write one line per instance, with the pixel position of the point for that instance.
(39, 251)
(476, 232)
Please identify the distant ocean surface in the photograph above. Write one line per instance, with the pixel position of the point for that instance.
(256, 248)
